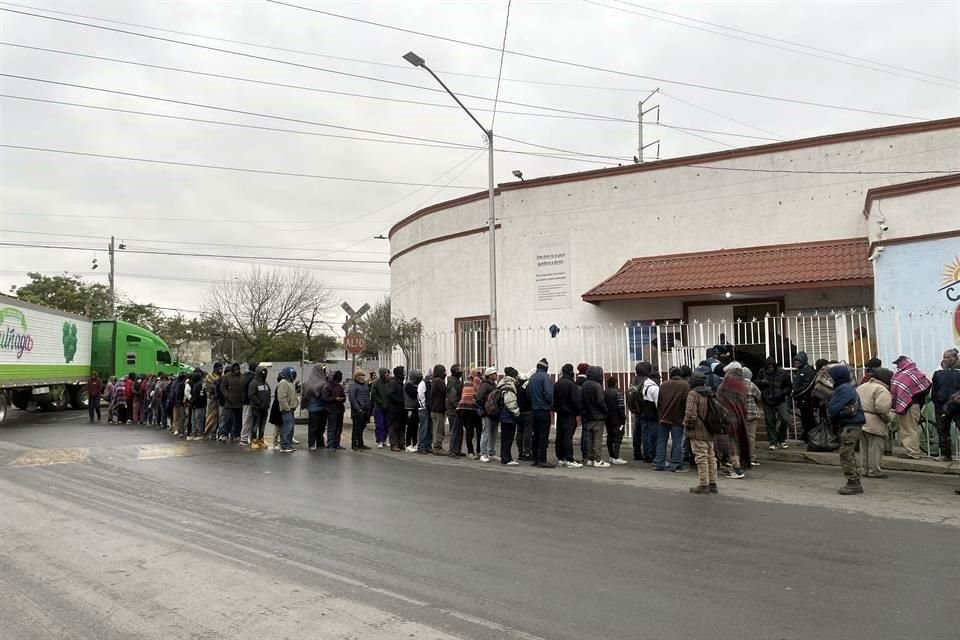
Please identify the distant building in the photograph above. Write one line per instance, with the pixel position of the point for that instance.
(198, 353)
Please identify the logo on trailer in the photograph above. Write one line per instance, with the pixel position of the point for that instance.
(19, 342)
(69, 341)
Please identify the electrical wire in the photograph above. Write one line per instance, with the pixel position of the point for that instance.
(196, 165)
(589, 67)
(765, 44)
(496, 95)
(720, 115)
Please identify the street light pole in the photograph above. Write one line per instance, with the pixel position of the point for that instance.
(417, 61)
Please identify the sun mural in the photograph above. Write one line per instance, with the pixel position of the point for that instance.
(951, 273)
(951, 288)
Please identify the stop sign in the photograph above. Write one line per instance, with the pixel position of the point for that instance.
(354, 342)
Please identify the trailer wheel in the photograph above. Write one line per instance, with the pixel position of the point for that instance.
(57, 400)
(21, 399)
(3, 407)
(79, 397)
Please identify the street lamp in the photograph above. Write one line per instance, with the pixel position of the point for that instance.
(417, 61)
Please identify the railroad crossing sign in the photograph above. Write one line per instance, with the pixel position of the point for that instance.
(354, 342)
(353, 317)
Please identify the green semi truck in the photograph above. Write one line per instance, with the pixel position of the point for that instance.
(47, 356)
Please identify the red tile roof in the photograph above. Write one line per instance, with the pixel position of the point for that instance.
(834, 263)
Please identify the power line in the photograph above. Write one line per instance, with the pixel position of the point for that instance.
(795, 44)
(720, 115)
(189, 255)
(765, 44)
(226, 168)
(579, 65)
(496, 95)
(554, 156)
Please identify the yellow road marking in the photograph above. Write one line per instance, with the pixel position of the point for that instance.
(43, 457)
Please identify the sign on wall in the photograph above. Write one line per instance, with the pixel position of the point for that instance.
(552, 272)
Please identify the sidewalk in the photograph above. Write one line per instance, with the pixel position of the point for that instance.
(798, 453)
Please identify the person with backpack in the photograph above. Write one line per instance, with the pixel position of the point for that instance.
(468, 414)
(198, 405)
(804, 377)
(671, 407)
(642, 399)
(946, 385)
(454, 393)
(846, 415)
(595, 412)
(875, 398)
(566, 403)
(775, 388)
(908, 388)
(396, 412)
(509, 412)
(437, 404)
(702, 409)
(259, 394)
(616, 419)
(489, 414)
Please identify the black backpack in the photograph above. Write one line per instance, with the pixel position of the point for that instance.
(717, 419)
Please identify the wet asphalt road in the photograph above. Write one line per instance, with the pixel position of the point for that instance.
(132, 535)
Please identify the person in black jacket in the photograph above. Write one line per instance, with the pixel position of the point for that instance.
(566, 402)
(438, 407)
(259, 394)
(396, 414)
(524, 420)
(247, 377)
(775, 388)
(803, 379)
(334, 399)
(595, 412)
(198, 405)
(945, 383)
(616, 419)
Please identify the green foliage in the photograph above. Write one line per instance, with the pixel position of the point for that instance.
(67, 292)
(383, 331)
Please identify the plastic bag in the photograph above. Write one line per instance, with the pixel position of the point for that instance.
(822, 438)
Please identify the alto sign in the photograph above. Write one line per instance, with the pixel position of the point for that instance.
(354, 342)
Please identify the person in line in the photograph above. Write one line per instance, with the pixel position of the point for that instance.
(875, 398)
(334, 400)
(908, 388)
(595, 412)
(701, 440)
(643, 399)
(110, 397)
(803, 380)
(378, 397)
(454, 393)
(775, 388)
(438, 407)
(411, 404)
(489, 422)
(359, 396)
(755, 417)
(187, 414)
(274, 416)
(396, 412)
(156, 400)
(946, 382)
(246, 415)
(151, 383)
(567, 404)
(671, 409)
(616, 420)
(287, 403)
(173, 407)
(213, 405)
(846, 415)
(259, 394)
(125, 402)
(198, 405)
(94, 394)
(315, 406)
(509, 412)
(160, 393)
(467, 413)
(231, 388)
(862, 348)
(734, 394)
(136, 400)
(525, 419)
(540, 391)
(580, 379)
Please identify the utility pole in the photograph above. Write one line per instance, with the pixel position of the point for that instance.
(641, 112)
(113, 295)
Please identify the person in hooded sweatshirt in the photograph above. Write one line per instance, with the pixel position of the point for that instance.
(259, 394)
(846, 415)
(490, 423)
(525, 419)
(509, 412)
(94, 392)
(378, 397)
(438, 407)
(248, 376)
(803, 380)
(359, 395)
(775, 388)
(316, 408)
(616, 419)
(671, 408)
(567, 405)
(643, 400)
(396, 411)
(877, 403)
(540, 390)
(335, 399)
(579, 380)
(467, 412)
(411, 402)
(452, 401)
(695, 430)
(595, 412)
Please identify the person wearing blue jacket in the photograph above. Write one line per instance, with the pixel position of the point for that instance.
(846, 415)
(540, 392)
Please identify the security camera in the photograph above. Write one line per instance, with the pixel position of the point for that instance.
(884, 227)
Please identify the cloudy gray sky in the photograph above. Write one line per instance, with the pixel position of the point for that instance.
(902, 59)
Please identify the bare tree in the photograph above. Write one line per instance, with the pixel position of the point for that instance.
(260, 304)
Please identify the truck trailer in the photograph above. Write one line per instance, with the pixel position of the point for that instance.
(47, 356)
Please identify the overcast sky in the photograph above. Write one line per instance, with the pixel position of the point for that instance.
(169, 208)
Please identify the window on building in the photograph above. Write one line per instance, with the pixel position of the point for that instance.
(473, 341)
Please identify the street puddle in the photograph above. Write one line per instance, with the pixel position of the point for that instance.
(44, 457)
(162, 451)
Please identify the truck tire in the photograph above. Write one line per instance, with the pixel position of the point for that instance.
(57, 400)
(79, 397)
(3, 406)
(21, 399)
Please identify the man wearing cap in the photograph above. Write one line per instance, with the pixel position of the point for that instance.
(540, 392)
